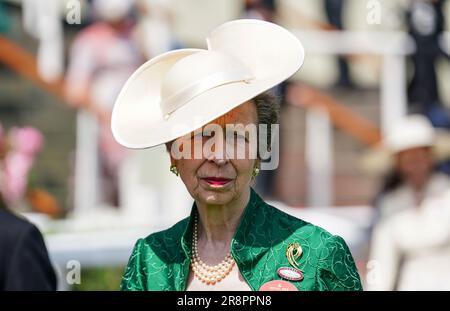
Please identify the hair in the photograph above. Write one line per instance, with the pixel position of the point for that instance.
(268, 112)
(392, 181)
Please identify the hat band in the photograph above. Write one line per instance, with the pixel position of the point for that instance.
(172, 103)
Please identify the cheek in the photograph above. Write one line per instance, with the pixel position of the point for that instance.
(414, 166)
(406, 167)
(244, 169)
(188, 170)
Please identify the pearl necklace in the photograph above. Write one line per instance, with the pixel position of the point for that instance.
(205, 273)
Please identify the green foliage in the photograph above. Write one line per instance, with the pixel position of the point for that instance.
(100, 279)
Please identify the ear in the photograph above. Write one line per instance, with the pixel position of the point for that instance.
(168, 149)
(173, 161)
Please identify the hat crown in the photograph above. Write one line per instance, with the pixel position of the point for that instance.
(197, 73)
(411, 132)
(180, 91)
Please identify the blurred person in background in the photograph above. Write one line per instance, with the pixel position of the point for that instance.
(411, 249)
(232, 239)
(414, 177)
(20, 147)
(24, 261)
(102, 57)
(154, 30)
(426, 23)
(260, 9)
(334, 12)
(410, 245)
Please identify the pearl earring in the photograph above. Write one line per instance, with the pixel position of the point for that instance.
(255, 172)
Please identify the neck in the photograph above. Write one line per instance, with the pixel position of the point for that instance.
(217, 223)
(419, 185)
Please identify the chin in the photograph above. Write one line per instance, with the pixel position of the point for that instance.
(216, 198)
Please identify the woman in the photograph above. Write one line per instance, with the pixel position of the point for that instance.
(411, 250)
(410, 247)
(413, 145)
(232, 239)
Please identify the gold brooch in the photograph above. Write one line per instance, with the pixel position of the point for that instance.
(293, 252)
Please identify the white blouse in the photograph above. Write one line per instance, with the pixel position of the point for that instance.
(411, 249)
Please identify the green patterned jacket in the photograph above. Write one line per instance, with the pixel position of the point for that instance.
(161, 261)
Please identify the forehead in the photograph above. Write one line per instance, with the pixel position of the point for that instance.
(414, 152)
(245, 114)
(242, 114)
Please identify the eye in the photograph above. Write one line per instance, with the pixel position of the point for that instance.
(241, 136)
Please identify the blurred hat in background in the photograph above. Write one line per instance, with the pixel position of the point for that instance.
(410, 132)
(413, 131)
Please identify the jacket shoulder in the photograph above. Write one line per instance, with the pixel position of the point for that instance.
(12, 228)
(297, 226)
(15, 223)
(151, 258)
(167, 238)
(23, 254)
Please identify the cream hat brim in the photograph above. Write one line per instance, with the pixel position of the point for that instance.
(271, 52)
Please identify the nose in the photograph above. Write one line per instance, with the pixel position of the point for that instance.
(219, 162)
(218, 155)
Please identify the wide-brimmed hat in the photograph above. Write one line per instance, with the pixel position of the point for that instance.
(180, 91)
(412, 131)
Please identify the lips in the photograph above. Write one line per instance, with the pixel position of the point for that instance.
(217, 181)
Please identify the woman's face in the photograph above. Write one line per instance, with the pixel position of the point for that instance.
(217, 177)
(415, 165)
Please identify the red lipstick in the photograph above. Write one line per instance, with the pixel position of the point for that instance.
(217, 181)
